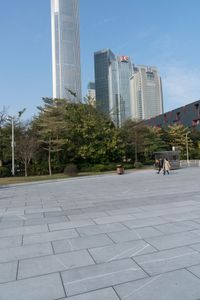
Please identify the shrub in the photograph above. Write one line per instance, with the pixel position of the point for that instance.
(128, 166)
(71, 170)
(137, 165)
(4, 172)
(98, 168)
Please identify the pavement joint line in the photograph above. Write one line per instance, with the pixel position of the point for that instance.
(127, 250)
(137, 233)
(187, 269)
(70, 244)
(147, 245)
(169, 258)
(141, 287)
(62, 285)
(21, 217)
(102, 275)
(61, 263)
(120, 254)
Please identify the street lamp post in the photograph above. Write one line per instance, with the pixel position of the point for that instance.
(12, 118)
(13, 146)
(187, 150)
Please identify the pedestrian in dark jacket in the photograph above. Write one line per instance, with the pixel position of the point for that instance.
(160, 165)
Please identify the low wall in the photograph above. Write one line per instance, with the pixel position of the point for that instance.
(190, 163)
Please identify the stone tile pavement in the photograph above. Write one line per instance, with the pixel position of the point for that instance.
(130, 237)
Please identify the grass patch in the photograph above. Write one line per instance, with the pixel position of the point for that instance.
(23, 179)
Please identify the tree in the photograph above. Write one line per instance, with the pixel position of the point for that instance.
(133, 134)
(154, 142)
(92, 137)
(51, 126)
(177, 135)
(26, 146)
(2, 134)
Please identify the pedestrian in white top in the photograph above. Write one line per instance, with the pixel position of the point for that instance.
(166, 166)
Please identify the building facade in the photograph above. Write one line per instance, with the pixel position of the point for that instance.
(91, 93)
(146, 93)
(66, 66)
(112, 83)
(188, 115)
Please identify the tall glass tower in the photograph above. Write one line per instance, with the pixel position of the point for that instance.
(112, 82)
(66, 49)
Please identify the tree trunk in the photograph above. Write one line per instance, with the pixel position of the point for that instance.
(25, 169)
(49, 161)
(136, 156)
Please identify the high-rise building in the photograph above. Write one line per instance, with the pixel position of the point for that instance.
(91, 92)
(112, 82)
(66, 49)
(146, 93)
(124, 72)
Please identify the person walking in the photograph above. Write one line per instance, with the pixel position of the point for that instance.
(166, 166)
(160, 165)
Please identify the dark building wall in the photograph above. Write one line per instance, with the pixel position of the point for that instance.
(188, 115)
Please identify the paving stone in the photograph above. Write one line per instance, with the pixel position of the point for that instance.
(195, 247)
(174, 240)
(103, 294)
(87, 216)
(8, 272)
(34, 216)
(113, 219)
(144, 222)
(9, 223)
(177, 227)
(181, 217)
(177, 285)
(98, 229)
(62, 213)
(53, 263)
(23, 230)
(120, 251)
(81, 243)
(195, 270)
(186, 203)
(168, 260)
(22, 252)
(47, 287)
(153, 207)
(8, 242)
(134, 234)
(38, 210)
(130, 210)
(38, 221)
(166, 212)
(90, 278)
(70, 224)
(49, 236)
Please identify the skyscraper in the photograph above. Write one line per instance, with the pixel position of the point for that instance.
(146, 93)
(66, 49)
(91, 93)
(112, 81)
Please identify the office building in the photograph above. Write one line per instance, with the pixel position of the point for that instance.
(91, 93)
(146, 93)
(112, 82)
(66, 49)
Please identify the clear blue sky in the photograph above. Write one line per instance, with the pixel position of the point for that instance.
(152, 32)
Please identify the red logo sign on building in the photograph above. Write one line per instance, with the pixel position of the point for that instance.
(124, 58)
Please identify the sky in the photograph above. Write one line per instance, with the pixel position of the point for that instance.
(161, 33)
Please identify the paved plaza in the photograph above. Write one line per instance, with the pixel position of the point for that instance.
(131, 237)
